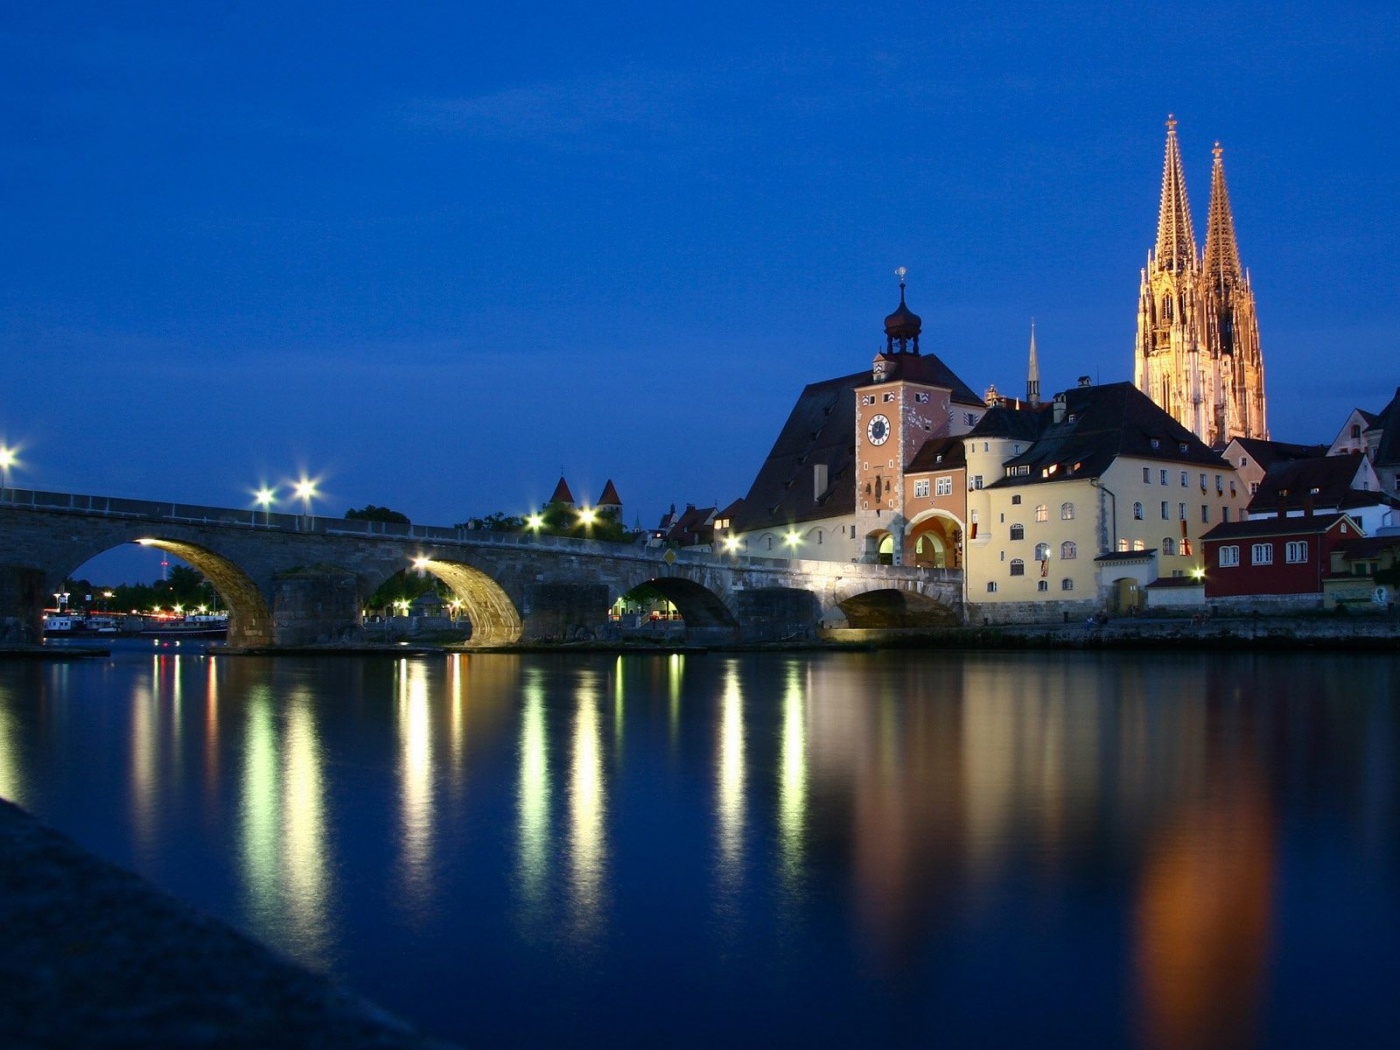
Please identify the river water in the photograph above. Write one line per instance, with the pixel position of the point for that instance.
(829, 849)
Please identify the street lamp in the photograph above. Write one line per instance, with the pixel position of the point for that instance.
(264, 497)
(7, 460)
(534, 523)
(305, 490)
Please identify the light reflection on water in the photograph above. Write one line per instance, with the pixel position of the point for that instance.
(1126, 849)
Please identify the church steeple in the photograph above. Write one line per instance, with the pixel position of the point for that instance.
(1176, 240)
(1222, 250)
(1033, 373)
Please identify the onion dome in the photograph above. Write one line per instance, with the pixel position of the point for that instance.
(903, 326)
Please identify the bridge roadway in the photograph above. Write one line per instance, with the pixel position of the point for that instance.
(292, 579)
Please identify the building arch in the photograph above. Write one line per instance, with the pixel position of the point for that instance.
(934, 540)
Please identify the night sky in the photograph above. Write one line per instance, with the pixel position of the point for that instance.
(432, 254)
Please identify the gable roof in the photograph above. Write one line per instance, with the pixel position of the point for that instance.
(1311, 525)
(1100, 424)
(1267, 453)
(945, 453)
(1323, 481)
(1388, 450)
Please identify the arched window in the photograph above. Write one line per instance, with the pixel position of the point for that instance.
(1018, 567)
(1066, 585)
(1042, 585)
(1355, 430)
(1042, 512)
(1066, 511)
(1042, 552)
(1168, 545)
(1137, 511)
(1139, 545)
(1018, 532)
(1068, 551)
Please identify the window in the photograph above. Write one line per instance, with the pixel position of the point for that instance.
(921, 399)
(1015, 501)
(1018, 531)
(1042, 512)
(1164, 477)
(1232, 486)
(921, 487)
(1166, 511)
(943, 486)
(1219, 484)
(1042, 552)
(1229, 557)
(819, 535)
(1181, 511)
(1068, 551)
(1147, 475)
(1018, 567)
(1254, 488)
(1295, 551)
(1066, 511)
(977, 481)
(1355, 431)
(1139, 545)
(1203, 482)
(1261, 554)
(1155, 443)
(991, 586)
(1066, 585)
(769, 539)
(1123, 546)
(1224, 513)
(1168, 545)
(1183, 479)
(889, 397)
(868, 399)
(1205, 514)
(1042, 585)
(1137, 511)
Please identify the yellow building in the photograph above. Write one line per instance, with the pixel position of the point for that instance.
(1074, 507)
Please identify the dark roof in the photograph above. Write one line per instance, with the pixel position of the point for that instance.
(1112, 556)
(945, 453)
(734, 510)
(692, 526)
(1324, 481)
(821, 429)
(1100, 424)
(1308, 525)
(1176, 581)
(1388, 450)
(1366, 546)
(1267, 453)
(1003, 421)
(562, 493)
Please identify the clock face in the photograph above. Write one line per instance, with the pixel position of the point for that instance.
(878, 430)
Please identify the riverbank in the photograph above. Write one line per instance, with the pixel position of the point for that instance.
(95, 957)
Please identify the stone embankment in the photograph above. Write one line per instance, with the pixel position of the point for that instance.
(95, 957)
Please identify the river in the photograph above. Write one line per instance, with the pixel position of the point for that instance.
(961, 849)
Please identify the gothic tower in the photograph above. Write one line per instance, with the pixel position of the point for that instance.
(1198, 351)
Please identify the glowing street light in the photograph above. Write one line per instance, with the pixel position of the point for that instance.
(792, 539)
(731, 543)
(265, 497)
(305, 490)
(587, 516)
(421, 562)
(534, 522)
(8, 459)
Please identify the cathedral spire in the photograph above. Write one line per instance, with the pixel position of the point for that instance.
(1033, 373)
(1176, 240)
(1222, 263)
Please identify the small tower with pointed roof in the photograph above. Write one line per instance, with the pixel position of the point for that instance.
(562, 496)
(609, 502)
(1033, 373)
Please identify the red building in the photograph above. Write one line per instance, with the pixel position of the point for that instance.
(1273, 556)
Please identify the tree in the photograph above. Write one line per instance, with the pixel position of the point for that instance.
(373, 513)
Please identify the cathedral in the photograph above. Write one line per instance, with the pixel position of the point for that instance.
(1198, 353)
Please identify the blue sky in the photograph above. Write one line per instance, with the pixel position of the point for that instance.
(435, 253)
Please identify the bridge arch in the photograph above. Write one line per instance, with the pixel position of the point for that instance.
(249, 618)
(704, 612)
(892, 608)
(494, 618)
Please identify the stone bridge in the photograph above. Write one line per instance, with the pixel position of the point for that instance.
(291, 579)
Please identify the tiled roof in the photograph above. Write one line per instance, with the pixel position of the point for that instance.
(1388, 451)
(1267, 453)
(930, 370)
(609, 498)
(1324, 481)
(1310, 526)
(945, 453)
(562, 493)
(1100, 424)
(1114, 556)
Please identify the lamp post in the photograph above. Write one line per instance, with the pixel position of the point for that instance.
(305, 490)
(264, 497)
(7, 460)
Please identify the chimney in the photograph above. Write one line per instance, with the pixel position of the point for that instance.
(1282, 503)
(818, 480)
(1060, 408)
(1084, 381)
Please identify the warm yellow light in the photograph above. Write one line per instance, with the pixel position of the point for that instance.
(731, 543)
(421, 562)
(1199, 573)
(792, 538)
(7, 457)
(145, 543)
(264, 497)
(305, 489)
(534, 521)
(587, 516)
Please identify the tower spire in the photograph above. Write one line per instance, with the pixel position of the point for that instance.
(1033, 373)
(1222, 262)
(1176, 240)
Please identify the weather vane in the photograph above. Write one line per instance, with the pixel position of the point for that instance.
(900, 272)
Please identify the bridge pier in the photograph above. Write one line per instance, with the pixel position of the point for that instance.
(309, 607)
(563, 612)
(22, 598)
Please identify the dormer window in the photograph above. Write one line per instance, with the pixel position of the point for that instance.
(1156, 443)
(1182, 446)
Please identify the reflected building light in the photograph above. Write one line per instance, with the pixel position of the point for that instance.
(259, 831)
(990, 741)
(145, 719)
(533, 796)
(306, 856)
(586, 813)
(792, 784)
(416, 786)
(617, 703)
(11, 775)
(729, 786)
(675, 677)
(211, 727)
(457, 701)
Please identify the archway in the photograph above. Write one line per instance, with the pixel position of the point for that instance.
(703, 614)
(892, 609)
(934, 542)
(494, 617)
(879, 547)
(249, 618)
(1127, 597)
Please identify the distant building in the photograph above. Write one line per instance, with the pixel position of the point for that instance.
(1325, 485)
(1274, 562)
(1198, 353)
(1377, 436)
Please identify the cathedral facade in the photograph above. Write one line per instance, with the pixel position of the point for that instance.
(1198, 354)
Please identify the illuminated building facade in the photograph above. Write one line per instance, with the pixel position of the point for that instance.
(1198, 353)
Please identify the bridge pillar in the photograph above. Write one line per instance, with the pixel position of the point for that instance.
(777, 614)
(563, 612)
(313, 606)
(22, 594)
